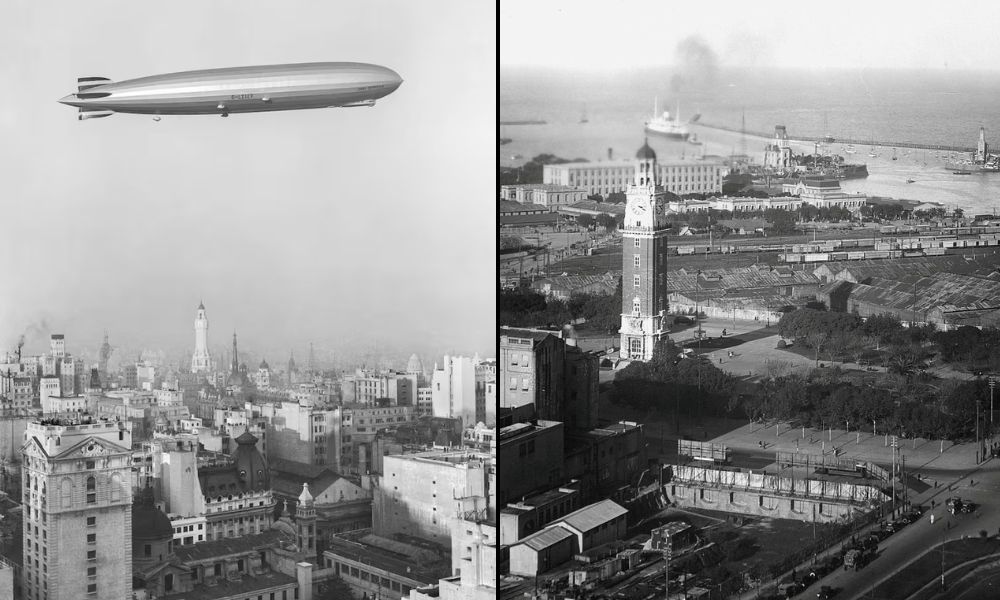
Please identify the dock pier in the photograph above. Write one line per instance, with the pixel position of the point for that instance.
(882, 144)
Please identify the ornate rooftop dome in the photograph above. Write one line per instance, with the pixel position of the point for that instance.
(149, 522)
(305, 498)
(251, 465)
(414, 366)
(645, 152)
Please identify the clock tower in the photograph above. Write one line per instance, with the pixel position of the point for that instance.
(644, 261)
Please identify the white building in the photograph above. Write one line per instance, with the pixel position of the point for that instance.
(778, 154)
(48, 387)
(737, 205)
(551, 196)
(262, 378)
(201, 361)
(823, 193)
(453, 390)
(695, 176)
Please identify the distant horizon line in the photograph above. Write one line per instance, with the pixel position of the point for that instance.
(673, 67)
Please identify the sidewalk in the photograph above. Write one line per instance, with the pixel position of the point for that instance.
(861, 445)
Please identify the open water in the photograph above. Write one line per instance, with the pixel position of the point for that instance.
(923, 107)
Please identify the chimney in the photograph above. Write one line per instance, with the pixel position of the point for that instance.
(304, 576)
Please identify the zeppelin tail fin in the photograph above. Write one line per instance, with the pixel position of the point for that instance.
(93, 113)
(85, 83)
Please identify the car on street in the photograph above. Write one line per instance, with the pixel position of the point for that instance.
(825, 592)
(787, 590)
(956, 505)
(855, 560)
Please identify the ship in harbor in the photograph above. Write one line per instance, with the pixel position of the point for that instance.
(667, 125)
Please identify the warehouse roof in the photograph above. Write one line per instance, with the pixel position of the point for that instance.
(735, 281)
(546, 538)
(946, 292)
(593, 516)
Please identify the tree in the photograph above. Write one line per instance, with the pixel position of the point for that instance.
(782, 221)
(816, 341)
(884, 327)
(608, 222)
(585, 220)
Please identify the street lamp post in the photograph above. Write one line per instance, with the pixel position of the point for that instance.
(666, 567)
(993, 383)
(894, 477)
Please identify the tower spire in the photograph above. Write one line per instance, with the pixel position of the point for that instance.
(201, 360)
(235, 368)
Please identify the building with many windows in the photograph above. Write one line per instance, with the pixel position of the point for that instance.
(547, 369)
(453, 390)
(695, 176)
(77, 506)
(823, 193)
(553, 197)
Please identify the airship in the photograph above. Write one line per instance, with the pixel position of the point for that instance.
(236, 90)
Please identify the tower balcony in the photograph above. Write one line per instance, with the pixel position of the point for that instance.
(644, 231)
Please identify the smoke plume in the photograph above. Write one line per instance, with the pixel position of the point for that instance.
(697, 65)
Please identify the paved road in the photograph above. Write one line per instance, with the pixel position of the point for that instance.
(905, 546)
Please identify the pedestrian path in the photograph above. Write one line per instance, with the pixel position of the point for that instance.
(852, 443)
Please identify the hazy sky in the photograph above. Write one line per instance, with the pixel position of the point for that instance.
(334, 225)
(844, 34)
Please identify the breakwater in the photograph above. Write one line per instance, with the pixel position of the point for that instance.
(800, 138)
(525, 122)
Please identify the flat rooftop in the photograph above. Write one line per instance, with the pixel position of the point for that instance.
(392, 562)
(248, 585)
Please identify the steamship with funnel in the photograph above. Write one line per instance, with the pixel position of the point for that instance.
(667, 125)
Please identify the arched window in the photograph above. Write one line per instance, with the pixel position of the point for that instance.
(91, 490)
(66, 492)
(116, 487)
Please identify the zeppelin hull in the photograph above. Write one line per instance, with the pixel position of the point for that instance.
(240, 90)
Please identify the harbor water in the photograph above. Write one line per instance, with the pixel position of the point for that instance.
(932, 108)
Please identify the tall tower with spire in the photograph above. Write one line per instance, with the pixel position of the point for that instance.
(234, 368)
(201, 361)
(305, 522)
(982, 149)
(105, 357)
(644, 261)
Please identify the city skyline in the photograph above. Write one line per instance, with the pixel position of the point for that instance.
(327, 225)
(330, 353)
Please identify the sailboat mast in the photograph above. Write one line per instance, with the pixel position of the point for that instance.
(743, 134)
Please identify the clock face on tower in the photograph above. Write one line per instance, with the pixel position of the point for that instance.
(638, 209)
